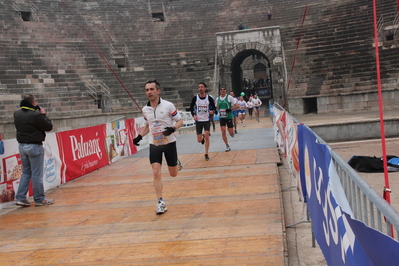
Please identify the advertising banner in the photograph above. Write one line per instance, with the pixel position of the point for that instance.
(342, 239)
(118, 134)
(10, 171)
(52, 162)
(82, 151)
(291, 147)
(279, 129)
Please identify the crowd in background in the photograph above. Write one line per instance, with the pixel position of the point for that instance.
(248, 84)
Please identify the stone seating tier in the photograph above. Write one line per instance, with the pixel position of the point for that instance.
(180, 51)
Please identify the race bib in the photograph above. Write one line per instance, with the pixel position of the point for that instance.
(202, 109)
(223, 113)
(158, 138)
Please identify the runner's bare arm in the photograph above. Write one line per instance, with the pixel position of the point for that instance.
(178, 124)
(145, 131)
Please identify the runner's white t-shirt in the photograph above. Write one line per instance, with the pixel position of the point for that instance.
(164, 115)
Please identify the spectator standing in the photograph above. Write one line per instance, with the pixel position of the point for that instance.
(31, 122)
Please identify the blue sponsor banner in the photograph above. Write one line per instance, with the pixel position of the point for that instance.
(342, 239)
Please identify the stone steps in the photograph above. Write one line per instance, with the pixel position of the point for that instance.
(180, 51)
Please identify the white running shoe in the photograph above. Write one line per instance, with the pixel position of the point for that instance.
(161, 208)
(228, 148)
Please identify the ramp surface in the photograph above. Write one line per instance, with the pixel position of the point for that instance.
(225, 211)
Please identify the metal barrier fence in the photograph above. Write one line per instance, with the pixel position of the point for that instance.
(366, 204)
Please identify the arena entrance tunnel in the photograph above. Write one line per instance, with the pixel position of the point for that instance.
(251, 73)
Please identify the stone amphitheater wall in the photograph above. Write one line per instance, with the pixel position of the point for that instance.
(61, 53)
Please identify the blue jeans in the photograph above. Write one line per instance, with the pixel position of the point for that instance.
(32, 158)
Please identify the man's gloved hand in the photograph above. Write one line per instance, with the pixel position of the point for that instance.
(168, 131)
(228, 110)
(137, 139)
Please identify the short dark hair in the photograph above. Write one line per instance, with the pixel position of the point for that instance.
(203, 83)
(29, 98)
(156, 83)
(222, 87)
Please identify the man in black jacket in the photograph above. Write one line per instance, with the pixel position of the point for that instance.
(31, 123)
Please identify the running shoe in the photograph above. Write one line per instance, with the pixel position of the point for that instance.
(206, 157)
(161, 208)
(235, 131)
(44, 202)
(179, 165)
(228, 148)
(23, 203)
(214, 130)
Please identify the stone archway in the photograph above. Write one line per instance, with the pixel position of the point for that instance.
(234, 48)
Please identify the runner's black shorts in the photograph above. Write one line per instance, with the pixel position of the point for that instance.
(169, 150)
(206, 125)
(225, 121)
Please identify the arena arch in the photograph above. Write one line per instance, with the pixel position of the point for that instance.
(247, 62)
(251, 73)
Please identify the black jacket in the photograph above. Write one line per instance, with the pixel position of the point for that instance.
(31, 125)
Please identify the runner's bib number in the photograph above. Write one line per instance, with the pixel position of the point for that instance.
(158, 138)
(202, 109)
(223, 113)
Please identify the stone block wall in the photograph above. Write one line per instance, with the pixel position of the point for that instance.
(52, 56)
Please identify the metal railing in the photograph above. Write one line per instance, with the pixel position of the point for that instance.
(366, 204)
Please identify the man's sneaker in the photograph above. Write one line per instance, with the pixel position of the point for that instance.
(235, 131)
(206, 157)
(23, 203)
(203, 140)
(44, 202)
(161, 208)
(179, 165)
(228, 148)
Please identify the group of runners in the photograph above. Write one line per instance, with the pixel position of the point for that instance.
(252, 105)
(162, 119)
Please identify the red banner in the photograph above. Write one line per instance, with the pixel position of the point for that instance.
(131, 132)
(82, 151)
